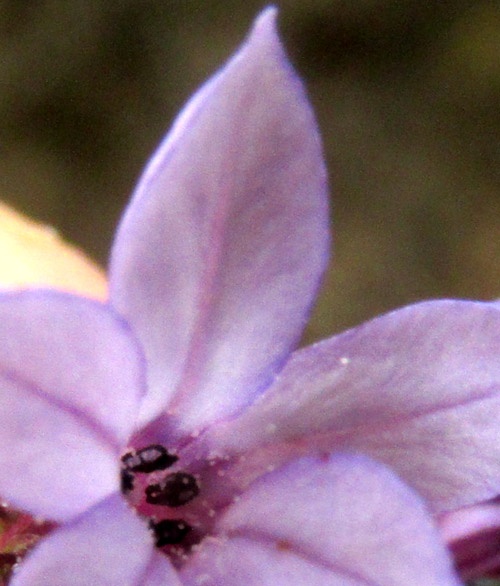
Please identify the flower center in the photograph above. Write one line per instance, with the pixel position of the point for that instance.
(175, 490)
(147, 487)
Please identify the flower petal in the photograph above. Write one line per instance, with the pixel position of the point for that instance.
(472, 536)
(417, 389)
(54, 464)
(107, 546)
(77, 352)
(35, 255)
(246, 562)
(70, 386)
(337, 521)
(160, 573)
(219, 255)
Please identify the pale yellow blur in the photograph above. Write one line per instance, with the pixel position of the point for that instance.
(33, 255)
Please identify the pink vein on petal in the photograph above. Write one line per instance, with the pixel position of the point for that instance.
(96, 429)
(396, 421)
(275, 542)
(194, 361)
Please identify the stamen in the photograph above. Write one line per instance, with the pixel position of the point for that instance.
(175, 490)
(127, 481)
(169, 531)
(149, 459)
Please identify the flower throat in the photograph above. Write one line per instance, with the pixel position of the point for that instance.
(173, 490)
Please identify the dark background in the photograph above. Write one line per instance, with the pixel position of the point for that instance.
(406, 93)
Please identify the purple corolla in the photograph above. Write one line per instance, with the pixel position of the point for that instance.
(170, 433)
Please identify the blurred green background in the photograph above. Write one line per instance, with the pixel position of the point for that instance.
(406, 93)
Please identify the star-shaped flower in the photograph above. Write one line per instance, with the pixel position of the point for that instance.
(178, 401)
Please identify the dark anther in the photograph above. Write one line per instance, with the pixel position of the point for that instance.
(169, 531)
(149, 459)
(175, 490)
(127, 481)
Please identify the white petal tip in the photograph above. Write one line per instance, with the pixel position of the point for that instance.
(266, 18)
(265, 24)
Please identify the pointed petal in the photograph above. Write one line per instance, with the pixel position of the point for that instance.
(107, 546)
(335, 521)
(219, 255)
(417, 389)
(76, 351)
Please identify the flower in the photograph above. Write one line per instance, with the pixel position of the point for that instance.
(178, 401)
(33, 254)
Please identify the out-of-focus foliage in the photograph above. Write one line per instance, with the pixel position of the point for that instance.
(18, 534)
(406, 93)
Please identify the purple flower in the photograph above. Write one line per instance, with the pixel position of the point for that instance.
(179, 402)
